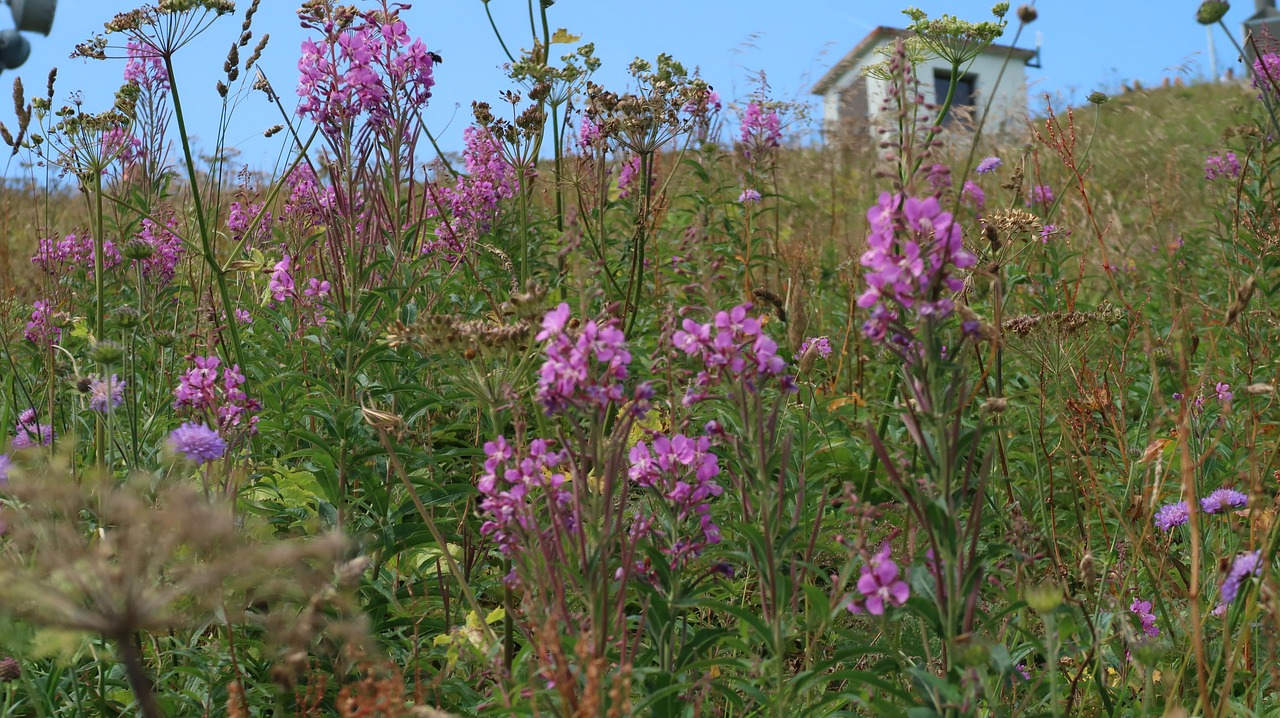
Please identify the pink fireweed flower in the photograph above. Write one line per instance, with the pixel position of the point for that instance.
(361, 72)
(585, 369)
(681, 470)
(145, 68)
(106, 394)
(29, 433)
(973, 196)
(197, 442)
(1266, 73)
(281, 284)
(914, 248)
(734, 347)
(1224, 166)
(167, 251)
(213, 391)
(627, 176)
(588, 135)
(1041, 195)
(473, 201)
(939, 178)
(1224, 392)
(241, 225)
(1172, 515)
(72, 253)
(1148, 619)
(1222, 500)
(761, 129)
(40, 329)
(822, 345)
(515, 486)
(880, 585)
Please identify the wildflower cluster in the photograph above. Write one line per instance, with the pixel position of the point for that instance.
(732, 346)
(914, 249)
(583, 369)
(366, 66)
(1142, 609)
(41, 328)
(682, 471)
(513, 486)
(473, 200)
(29, 432)
(73, 253)
(200, 392)
(761, 128)
(1223, 166)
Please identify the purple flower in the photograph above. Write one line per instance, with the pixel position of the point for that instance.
(1242, 566)
(1266, 73)
(240, 222)
(474, 199)
(732, 346)
(749, 196)
(1223, 499)
(5, 463)
(989, 165)
(145, 68)
(588, 134)
(913, 249)
(681, 470)
(627, 175)
(586, 370)
(880, 585)
(939, 178)
(1224, 392)
(200, 393)
(167, 251)
(281, 285)
(822, 345)
(973, 195)
(760, 129)
(1145, 616)
(1171, 515)
(29, 433)
(105, 395)
(40, 330)
(1224, 166)
(511, 483)
(197, 442)
(1022, 671)
(1041, 194)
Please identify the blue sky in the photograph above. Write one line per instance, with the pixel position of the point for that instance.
(1087, 45)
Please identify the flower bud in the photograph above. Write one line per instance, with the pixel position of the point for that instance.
(1098, 98)
(126, 317)
(1211, 11)
(1027, 14)
(164, 338)
(1044, 598)
(107, 352)
(138, 250)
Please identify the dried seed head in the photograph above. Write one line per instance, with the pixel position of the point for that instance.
(272, 130)
(1027, 14)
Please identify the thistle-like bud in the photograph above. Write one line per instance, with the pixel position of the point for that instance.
(164, 338)
(126, 317)
(138, 250)
(1044, 598)
(107, 352)
(9, 669)
(1211, 11)
(84, 384)
(1098, 98)
(1027, 14)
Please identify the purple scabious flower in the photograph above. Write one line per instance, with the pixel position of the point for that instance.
(1224, 166)
(29, 433)
(5, 463)
(1223, 499)
(197, 442)
(880, 585)
(1172, 515)
(106, 394)
(682, 471)
(822, 345)
(1243, 566)
(914, 248)
(989, 164)
(749, 196)
(583, 370)
(1148, 619)
(1041, 194)
(973, 196)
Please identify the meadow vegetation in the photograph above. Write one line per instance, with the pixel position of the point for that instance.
(645, 404)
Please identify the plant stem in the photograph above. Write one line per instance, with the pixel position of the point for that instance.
(137, 675)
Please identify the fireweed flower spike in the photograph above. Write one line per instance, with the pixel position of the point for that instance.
(1224, 166)
(880, 585)
(1223, 499)
(1148, 619)
(1172, 515)
(585, 368)
(197, 442)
